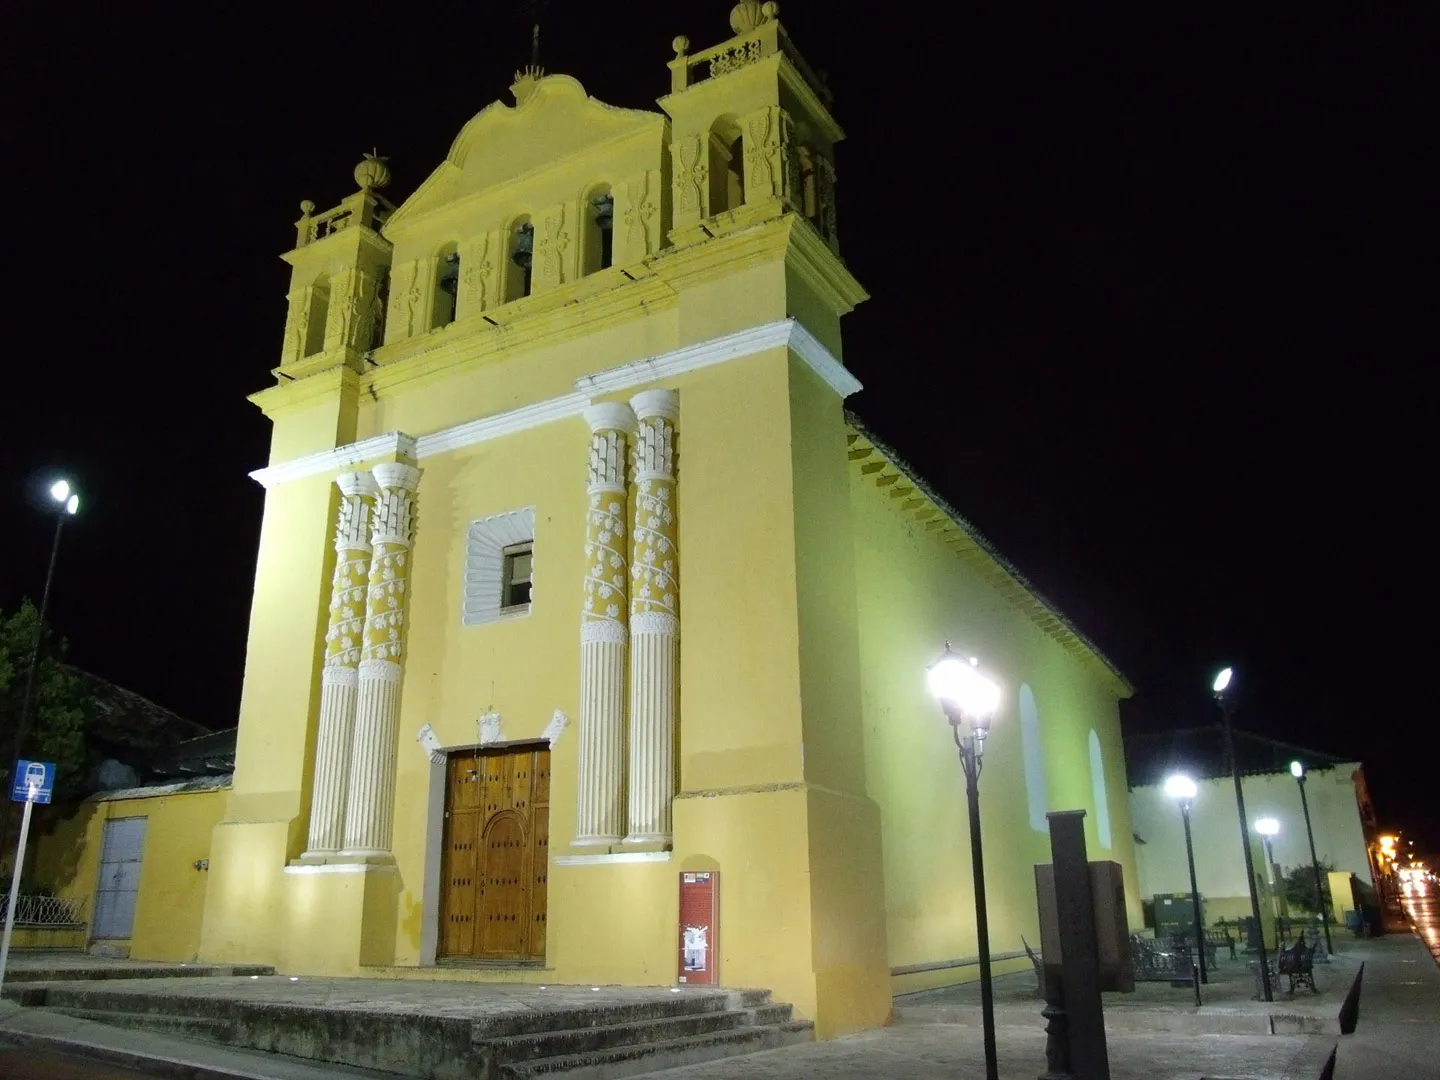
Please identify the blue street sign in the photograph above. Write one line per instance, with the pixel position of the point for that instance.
(38, 776)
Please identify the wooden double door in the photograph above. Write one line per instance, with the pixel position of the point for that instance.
(497, 854)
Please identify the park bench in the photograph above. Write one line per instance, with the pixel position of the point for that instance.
(1216, 938)
(1295, 964)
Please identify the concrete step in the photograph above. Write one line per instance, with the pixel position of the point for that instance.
(609, 1014)
(70, 973)
(637, 1060)
(213, 1029)
(589, 1040)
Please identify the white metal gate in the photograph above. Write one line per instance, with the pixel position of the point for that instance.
(119, 881)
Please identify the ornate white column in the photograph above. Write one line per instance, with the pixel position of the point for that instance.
(654, 620)
(370, 797)
(339, 679)
(600, 802)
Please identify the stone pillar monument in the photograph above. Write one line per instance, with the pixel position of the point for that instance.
(600, 807)
(370, 798)
(340, 678)
(654, 620)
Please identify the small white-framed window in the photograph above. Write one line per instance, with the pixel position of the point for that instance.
(519, 569)
(499, 567)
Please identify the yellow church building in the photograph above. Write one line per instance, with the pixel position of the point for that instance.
(577, 583)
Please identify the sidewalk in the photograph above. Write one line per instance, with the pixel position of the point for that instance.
(1398, 1035)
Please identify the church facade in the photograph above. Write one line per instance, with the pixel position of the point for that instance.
(578, 585)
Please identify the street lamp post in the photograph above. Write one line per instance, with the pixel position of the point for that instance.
(968, 698)
(1221, 684)
(1298, 771)
(1182, 789)
(67, 504)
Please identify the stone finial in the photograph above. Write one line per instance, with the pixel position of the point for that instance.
(307, 207)
(525, 81)
(681, 45)
(372, 173)
(748, 14)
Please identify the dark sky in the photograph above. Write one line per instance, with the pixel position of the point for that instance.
(1150, 292)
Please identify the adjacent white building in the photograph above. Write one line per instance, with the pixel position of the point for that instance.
(1337, 796)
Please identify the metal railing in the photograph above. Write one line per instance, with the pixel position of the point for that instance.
(58, 911)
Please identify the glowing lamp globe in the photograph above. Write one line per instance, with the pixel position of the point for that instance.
(960, 688)
(1297, 770)
(1267, 826)
(1223, 680)
(1180, 787)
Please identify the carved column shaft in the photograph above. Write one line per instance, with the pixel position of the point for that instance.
(654, 620)
(339, 678)
(600, 803)
(370, 798)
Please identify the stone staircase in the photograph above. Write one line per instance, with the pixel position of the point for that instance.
(647, 1038)
(615, 1039)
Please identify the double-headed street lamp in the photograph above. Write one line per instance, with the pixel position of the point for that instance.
(970, 700)
(1219, 687)
(1298, 771)
(1183, 790)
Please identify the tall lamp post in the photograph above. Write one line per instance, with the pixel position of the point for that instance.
(970, 700)
(1219, 686)
(67, 503)
(1298, 771)
(1183, 790)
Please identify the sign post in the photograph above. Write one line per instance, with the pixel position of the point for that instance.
(34, 782)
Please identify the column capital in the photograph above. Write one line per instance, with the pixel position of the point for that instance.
(610, 416)
(394, 474)
(357, 483)
(652, 403)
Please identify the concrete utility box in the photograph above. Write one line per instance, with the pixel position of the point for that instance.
(1175, 914)
(1112, 925)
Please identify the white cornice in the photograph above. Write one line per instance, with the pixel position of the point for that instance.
(652, 369)
(836, 375)
(332, 461)
(611, 859)
(506, 423)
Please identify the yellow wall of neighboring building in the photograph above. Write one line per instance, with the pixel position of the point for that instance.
(171, 899)
(918, 590)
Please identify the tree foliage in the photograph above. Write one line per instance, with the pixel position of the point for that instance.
(58, 709)
(1300, 886)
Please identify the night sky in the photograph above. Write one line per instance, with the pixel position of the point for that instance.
(1150, 292)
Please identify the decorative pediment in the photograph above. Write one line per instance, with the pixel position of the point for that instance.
(555, 120)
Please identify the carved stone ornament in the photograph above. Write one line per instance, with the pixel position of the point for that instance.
(551, 247)
(691, 174)
(430, 744)
(488, 728)
(640, 217)
(478, 269)
(735, 58)
(553, 730)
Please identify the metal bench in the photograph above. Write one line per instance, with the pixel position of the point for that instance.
(1162, 961)
(1216, 938)
(1295, 964)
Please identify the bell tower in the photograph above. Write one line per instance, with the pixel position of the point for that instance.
(340, 264)
(752, 134)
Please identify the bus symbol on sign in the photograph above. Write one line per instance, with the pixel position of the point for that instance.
(34, 781)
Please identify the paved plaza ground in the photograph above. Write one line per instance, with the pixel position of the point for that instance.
(1152, 1034)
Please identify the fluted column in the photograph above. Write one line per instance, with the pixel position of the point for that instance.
(600, 801)
(370, 797)
(654, 620)
(339, 678)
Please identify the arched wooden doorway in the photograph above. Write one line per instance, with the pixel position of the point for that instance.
(497, 854)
